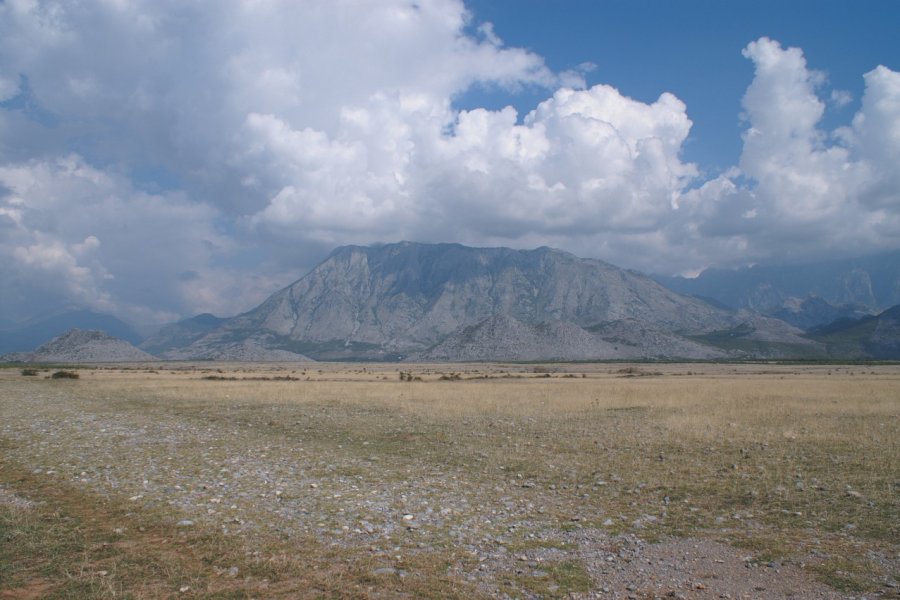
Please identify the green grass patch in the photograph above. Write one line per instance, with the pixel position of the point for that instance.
(555, 579)
(845, 575)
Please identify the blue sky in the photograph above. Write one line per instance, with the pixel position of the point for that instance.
(693, 49)
(159, 159)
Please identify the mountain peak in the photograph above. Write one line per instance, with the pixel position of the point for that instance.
(390, 300)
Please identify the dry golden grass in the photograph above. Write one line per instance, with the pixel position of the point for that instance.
(790, 462)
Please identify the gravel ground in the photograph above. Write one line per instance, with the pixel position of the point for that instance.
(509, 537)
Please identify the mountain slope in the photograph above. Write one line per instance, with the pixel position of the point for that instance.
(180, 334)
(386, 302)
(872, 337)
(502, 337)
(79, 345)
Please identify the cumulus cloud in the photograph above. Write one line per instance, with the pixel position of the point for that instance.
(9, 87)
(583, 162)
(841, 98)
(238, 142)
(83, 235)
(801, 191)
(238, 110)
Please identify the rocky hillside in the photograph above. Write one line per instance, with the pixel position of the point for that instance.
(871, 337)
(180, 334)
(77, 345)
(397, 301)
(504, 338)
(250, 349)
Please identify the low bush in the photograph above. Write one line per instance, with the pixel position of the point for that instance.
(65, 375)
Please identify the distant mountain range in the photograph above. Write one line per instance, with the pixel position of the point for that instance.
(447, 302)
(870, 284)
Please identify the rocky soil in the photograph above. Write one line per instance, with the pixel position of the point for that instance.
(287, 472)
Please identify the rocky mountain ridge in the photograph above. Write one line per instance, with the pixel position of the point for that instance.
(397, 301)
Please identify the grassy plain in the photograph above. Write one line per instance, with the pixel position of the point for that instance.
(340, 480)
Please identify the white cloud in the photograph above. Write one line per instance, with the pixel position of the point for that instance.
(239, 106)
(841, 98)
(583, 162)
(876, 131)
(73, 231)
(9, 87)
(56, 269)
(268, 131)
(811, 192)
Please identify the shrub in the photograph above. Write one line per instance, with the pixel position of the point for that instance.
(29, 372)
(65, 375)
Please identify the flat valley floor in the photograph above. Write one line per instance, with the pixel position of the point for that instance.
(311, 480)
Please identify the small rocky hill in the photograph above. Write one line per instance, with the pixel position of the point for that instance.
(89, 346)
(26, 337)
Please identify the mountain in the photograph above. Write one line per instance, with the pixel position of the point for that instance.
(815, 312)
(78, 345)
(180, 334)
(170, 341)
(394, 301)
(24, 338)
(871, 282)
(871, 337)
(760, 336)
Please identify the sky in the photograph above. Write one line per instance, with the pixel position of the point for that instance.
(159, 159)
